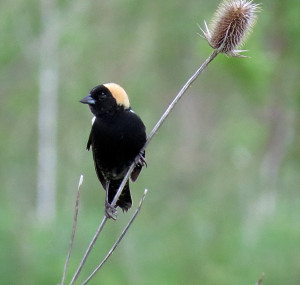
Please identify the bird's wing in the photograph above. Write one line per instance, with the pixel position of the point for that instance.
(98, 171)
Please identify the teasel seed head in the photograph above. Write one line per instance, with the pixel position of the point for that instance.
(230, 26)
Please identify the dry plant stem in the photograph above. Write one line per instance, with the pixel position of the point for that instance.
(260, 280)
(73, 230)
(179, 95)
(118, 240)
(91, 245)
(165, 115)
(152, 133)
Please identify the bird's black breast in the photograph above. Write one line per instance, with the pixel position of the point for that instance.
(116, 141)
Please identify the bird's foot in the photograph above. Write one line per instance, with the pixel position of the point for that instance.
(140, 160)
(110, 211)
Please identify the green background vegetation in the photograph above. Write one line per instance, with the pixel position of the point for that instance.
(223, 171)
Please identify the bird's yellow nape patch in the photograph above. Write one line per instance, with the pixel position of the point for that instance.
(119, 94)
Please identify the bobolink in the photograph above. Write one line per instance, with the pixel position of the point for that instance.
(117, 137)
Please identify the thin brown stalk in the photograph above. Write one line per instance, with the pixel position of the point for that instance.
(73, 230)
(223, 39)
(164, 117)
(260, 280)
(151, 135)
(182, 91)
(251, 9)
(118, 240)
(91, 245)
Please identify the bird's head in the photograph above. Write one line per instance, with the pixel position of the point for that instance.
(106, 98)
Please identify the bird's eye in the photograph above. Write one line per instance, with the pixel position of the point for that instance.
(102, 96)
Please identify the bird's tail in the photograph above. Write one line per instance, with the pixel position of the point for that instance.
(124, 201)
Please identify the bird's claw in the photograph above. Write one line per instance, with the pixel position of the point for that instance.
(140, 160)
(110, 211)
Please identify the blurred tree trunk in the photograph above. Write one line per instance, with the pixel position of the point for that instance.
(48, 86)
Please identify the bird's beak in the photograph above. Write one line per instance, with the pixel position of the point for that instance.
(88, 100)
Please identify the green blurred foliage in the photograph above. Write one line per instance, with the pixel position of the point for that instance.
(223, 171)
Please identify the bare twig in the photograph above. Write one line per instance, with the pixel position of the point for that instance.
(223, 38)
(73, 230)
(179, 95)
(152, 133)
(91, 245)
(164, 116)
(118, 240)
(260, 280)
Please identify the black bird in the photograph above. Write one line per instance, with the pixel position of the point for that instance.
(117, 137)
